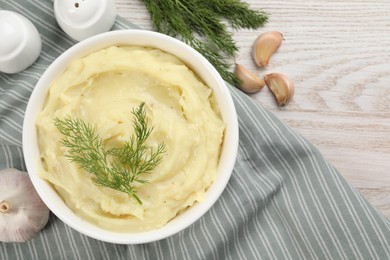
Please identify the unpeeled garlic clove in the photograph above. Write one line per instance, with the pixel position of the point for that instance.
(250, 83)
(22, 212)
(265, 46)
(281, 86)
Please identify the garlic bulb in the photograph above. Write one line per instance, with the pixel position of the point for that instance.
(22, 212)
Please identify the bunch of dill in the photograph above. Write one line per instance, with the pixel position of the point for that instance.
(202, 25)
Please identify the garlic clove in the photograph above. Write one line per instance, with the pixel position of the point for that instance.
(281, 86)
(250, 83)
(22, 212)
(265, 46)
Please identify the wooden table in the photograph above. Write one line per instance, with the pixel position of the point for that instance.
(338, 54)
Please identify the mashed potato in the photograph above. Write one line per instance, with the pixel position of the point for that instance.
(102, 89)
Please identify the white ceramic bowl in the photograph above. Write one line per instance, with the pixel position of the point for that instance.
(143, 38)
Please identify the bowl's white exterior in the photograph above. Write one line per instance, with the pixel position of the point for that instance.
(144, 38)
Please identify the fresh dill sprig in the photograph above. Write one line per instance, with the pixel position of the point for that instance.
(237, 13)
(200, 24)
(116, 168)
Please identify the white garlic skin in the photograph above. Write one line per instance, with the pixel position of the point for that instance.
(27, 214)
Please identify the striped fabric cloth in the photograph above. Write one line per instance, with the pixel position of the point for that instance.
(284, 200)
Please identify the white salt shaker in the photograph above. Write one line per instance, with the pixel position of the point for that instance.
(20, 42)
(81, 19)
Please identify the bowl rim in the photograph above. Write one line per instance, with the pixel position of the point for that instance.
(124, 37)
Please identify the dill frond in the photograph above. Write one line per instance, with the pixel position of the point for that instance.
(116, 168)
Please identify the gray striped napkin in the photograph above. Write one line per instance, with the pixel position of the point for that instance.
(284, 200)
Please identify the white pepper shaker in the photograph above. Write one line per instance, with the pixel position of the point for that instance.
(81, 19)
(20, 43)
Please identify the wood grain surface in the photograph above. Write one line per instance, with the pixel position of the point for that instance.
(338, 54)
